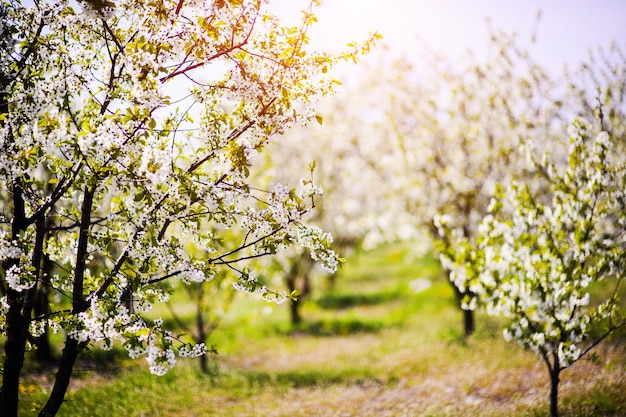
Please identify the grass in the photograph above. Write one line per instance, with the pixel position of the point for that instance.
(370, 347)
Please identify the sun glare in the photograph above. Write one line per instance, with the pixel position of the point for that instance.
(343, 21)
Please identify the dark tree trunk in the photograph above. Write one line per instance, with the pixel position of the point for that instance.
(18, 317)
(204, 364)
(469, 323)
(294, 309)
(297, 279)
(294, 305)
(62, 380)
(206, 323)
(72, 346)
(554, 391)
(41, 308)
(15, 342)
(20, 302)
(14, 349)
(201, 326)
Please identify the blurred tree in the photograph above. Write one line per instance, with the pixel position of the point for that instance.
(211, 300)
(457, 130)
(353, 205)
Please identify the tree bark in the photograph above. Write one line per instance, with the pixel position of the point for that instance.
(294, 305)
(201, 326)
(73, 347)
(63, 376)
(469, 323)
(18, 316)
(20, 303)
(297, 279)
(41, 304)
(294, 309)
(14, 349)
(43, 354)
(554, 391)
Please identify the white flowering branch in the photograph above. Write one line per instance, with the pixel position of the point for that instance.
(537, 258)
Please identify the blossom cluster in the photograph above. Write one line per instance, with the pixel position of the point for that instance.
(128, 147)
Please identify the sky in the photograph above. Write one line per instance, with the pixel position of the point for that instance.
(566, 32)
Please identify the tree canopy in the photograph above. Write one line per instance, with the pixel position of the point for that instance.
(127, 133)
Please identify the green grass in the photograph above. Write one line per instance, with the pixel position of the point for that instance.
(370, 346)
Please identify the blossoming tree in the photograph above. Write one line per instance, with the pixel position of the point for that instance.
(457, 131)
(354, 205)
(105, 174)
(537, 260)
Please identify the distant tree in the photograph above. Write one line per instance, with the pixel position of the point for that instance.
(211, 300)
(456, 130)
(353, 206)
(538, 260)
(105, 177)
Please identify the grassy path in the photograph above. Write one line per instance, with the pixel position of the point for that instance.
(371, 347)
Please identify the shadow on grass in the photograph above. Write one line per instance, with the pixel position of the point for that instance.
(343, 327)
(345, 301)
(303, 379)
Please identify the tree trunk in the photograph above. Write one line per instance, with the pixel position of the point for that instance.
(201, 326)
(294, 305)
(554, 391)
(297, 279)
(294, 308)
(41, 308)
(18, 315)
(20, 303)
(469, 323)
(204, 364)
(62, 380)
(14, 349)
(79, 305)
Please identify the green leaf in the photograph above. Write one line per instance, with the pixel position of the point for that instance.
(139, 196)
(319, 118)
